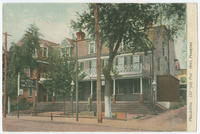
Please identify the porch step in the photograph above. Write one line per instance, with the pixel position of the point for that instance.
(127, 97)
(119, 106)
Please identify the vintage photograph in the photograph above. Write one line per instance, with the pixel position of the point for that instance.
(94, 67)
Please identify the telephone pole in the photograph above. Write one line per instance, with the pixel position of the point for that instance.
(77, 107)
(99, 109)
(5, 76)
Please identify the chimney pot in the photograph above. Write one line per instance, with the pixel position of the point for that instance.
(80, 35)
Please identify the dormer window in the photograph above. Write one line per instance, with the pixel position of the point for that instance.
(91, 48)
(44, 52)
(35, 55)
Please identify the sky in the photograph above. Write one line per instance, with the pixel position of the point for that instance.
(53, 20)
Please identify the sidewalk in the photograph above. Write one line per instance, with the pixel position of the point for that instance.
(173, 120)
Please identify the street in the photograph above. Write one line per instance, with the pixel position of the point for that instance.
(172, 120)
(16, 125)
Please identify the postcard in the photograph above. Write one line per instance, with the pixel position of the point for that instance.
(99, 67)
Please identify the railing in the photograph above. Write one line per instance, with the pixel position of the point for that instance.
(126, 69)
(133, 69)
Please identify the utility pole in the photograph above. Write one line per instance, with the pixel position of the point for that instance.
(99, 109)
(5, 76)
(77, 110)
(18, 88)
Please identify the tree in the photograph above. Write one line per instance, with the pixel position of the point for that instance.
(60, 73)
(30, 43)
(173, 16)
(117, 23)
(21, 56)
(121, 23)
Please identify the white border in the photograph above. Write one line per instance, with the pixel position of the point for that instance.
(105, 1)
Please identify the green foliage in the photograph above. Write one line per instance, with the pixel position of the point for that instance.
(30, 43)
(20, 57)
(61, 72)
(23, 105)
(173, 16)
(117, 23)
(127, 23)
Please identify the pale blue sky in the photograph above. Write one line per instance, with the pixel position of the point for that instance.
(53, 20)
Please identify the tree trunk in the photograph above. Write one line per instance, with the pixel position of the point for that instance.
(107, 97)
(107, 74)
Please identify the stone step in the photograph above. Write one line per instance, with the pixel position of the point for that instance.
(119, 106)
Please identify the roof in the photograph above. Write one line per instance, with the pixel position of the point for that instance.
(49, 42)
(46, 42)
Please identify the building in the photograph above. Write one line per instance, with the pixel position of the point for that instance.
(182, 76)
(135, 72)
(37, 76)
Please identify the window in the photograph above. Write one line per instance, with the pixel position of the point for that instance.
(44, 52)
(30, 92)
(69, 51)
(121, 61)
(35, 55)
(102, 63)
(163, 48)
(136, 58)
(158, 64)
(125, 60)
(91, 48)
(81, 65)
(116, 61)
(131, 60)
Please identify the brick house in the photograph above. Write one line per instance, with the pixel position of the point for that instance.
(46, 47)
(135, 71)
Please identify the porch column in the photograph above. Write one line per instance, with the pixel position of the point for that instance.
(113, 86)
(141, 85)
(114, 96)
(141, 92)
(90, 97)
(91, 88)
(9, 104)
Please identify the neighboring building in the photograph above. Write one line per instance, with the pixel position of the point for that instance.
(135, 71)
(46, 47)
(182, 76)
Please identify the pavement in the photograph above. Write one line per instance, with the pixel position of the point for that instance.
(172, 120)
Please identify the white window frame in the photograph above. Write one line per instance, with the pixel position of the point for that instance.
(92, 44)
(35, 55)
(46, 52)
(136, 58)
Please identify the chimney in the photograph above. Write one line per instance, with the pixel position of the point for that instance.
(80, 35)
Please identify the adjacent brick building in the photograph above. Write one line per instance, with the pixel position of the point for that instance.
(46, 47)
